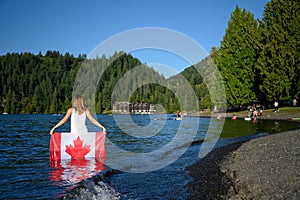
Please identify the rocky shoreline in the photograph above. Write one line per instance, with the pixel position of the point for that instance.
(262, 168)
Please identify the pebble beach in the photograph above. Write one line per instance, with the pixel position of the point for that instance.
(263, 168)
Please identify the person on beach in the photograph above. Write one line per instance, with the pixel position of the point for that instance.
(276, 106)
(78, 114)
(295, 102)
(233, 117)
(249, 108)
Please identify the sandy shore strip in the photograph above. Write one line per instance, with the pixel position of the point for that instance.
(262, 168)
(283, 114)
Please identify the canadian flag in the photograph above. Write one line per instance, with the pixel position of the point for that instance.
(64, 146)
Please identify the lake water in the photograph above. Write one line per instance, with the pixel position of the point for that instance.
(26, 172)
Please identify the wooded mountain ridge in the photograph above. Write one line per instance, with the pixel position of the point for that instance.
(44, 83)
(258, 60)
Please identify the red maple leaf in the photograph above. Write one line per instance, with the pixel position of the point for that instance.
(78, 151)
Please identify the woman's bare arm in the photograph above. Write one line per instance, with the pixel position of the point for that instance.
(94, 121)
(67, 116)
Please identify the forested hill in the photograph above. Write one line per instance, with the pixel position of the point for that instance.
(44, 83)
(37, 83)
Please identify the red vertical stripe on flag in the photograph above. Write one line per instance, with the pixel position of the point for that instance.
(100, 152)
(55, 147)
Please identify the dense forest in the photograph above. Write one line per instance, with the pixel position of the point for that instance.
(44, 83)
(259, 61)
(37, 83)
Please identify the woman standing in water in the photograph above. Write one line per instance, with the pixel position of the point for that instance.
(78, 114)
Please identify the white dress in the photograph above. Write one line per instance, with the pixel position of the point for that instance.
(78, 125)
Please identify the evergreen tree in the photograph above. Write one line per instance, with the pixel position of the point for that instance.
(279, 61)
(237, 56)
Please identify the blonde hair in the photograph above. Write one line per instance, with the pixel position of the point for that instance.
(78, 104)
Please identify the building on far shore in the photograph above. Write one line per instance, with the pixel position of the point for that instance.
(135, 108)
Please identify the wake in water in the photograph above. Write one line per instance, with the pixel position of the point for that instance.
(89, 190)
(84, 179)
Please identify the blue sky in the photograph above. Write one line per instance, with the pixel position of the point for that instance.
(78, 27)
